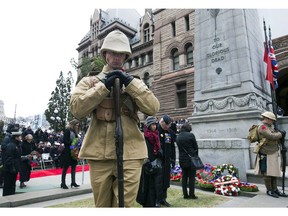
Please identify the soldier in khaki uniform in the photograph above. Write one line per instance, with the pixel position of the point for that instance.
(93, 97)
(269, 158)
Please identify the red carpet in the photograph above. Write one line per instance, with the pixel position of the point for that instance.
(50, 172)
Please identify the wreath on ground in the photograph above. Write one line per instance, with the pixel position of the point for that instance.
(212, 178)
(176, 173)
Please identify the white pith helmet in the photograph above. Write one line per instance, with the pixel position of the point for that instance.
(116, 41)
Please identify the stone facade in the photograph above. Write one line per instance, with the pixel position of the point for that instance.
(153, 42)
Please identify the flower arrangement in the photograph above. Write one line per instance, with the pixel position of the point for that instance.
(212, 178)
(204, 177)
(227, 185)
(176, 173)
(219, 169)
(75, 148)
(248, 187)
(35, 158)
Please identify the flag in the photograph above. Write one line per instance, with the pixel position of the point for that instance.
(267, 60)
(274, 66)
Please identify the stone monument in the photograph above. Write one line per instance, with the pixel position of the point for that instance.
(230, 87)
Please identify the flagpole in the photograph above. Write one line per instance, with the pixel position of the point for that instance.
(273, 94)
(274, 106)
(267, 46)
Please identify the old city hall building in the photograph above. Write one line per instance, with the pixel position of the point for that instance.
(162, 43)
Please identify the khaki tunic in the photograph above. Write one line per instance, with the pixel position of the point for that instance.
(271, 148)
(99, 142)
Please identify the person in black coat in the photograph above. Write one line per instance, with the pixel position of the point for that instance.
(66, 160)
(27, 146)
(167, 141)
(186, 140)
(11, 158)
(150, 188)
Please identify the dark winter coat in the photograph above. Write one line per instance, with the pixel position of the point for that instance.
(167, 141)
(150, 188)
(65, 158)
(25, 168)
(11, 156)
(187, 141)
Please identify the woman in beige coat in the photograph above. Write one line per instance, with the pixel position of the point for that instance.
(92, 97)
(268, 158)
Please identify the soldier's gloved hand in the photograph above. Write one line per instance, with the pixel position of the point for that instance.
(283, 132)
(109, 81)
(124, 77)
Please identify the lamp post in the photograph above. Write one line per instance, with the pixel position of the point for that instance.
(55, 118)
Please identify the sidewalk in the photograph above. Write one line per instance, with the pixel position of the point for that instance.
(48, 188)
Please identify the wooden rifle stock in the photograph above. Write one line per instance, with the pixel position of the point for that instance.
(119, 143)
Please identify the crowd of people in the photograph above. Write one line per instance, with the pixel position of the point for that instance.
(21, 151)
(149, 152)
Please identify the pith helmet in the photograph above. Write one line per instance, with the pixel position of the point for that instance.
(116, 41)
(269, 115)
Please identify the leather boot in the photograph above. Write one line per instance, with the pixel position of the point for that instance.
(272, 194)
(279, 193)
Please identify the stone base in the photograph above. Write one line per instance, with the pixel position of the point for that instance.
(226, 151)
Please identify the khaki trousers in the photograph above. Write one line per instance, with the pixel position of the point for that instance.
(104, 181)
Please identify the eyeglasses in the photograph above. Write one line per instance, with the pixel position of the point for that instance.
(116, 54)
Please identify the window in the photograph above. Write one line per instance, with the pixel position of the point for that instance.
(181, 94)
(187, 24)
(189, 54)
(142, 59)
(146, 32)
(150, 57)
(175, 59)
(146, 79)
(173, 26)
(136, 61)
(129, 63)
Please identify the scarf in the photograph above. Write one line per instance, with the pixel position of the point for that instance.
(153, 139)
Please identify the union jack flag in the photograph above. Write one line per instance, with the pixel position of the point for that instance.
(272, 66)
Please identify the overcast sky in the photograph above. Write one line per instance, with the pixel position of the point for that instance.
(39, 37)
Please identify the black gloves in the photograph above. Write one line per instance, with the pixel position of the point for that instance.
(283, 132)
(124, 77)
(109, 81)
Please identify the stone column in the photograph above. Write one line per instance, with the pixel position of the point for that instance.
(230, 87)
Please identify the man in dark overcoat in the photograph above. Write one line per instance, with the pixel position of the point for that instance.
(167, 141)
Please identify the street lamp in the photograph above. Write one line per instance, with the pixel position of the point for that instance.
(55, 118)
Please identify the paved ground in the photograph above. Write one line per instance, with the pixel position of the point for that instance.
(46, 191)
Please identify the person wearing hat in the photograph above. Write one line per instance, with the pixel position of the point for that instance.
(167, 141)
(93, 97)
(11, 159)
(150, 189)
(267, 160)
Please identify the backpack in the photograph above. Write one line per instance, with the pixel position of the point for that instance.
(253, 134)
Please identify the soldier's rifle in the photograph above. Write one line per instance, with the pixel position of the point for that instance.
(119, 143)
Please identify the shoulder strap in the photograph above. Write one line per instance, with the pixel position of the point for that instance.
(186, 151)
(101, 75)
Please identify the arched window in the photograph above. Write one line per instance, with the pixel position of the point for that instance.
(146, 31)
(189, 54)
(175, 59)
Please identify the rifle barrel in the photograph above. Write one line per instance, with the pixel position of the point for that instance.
(119, 143)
